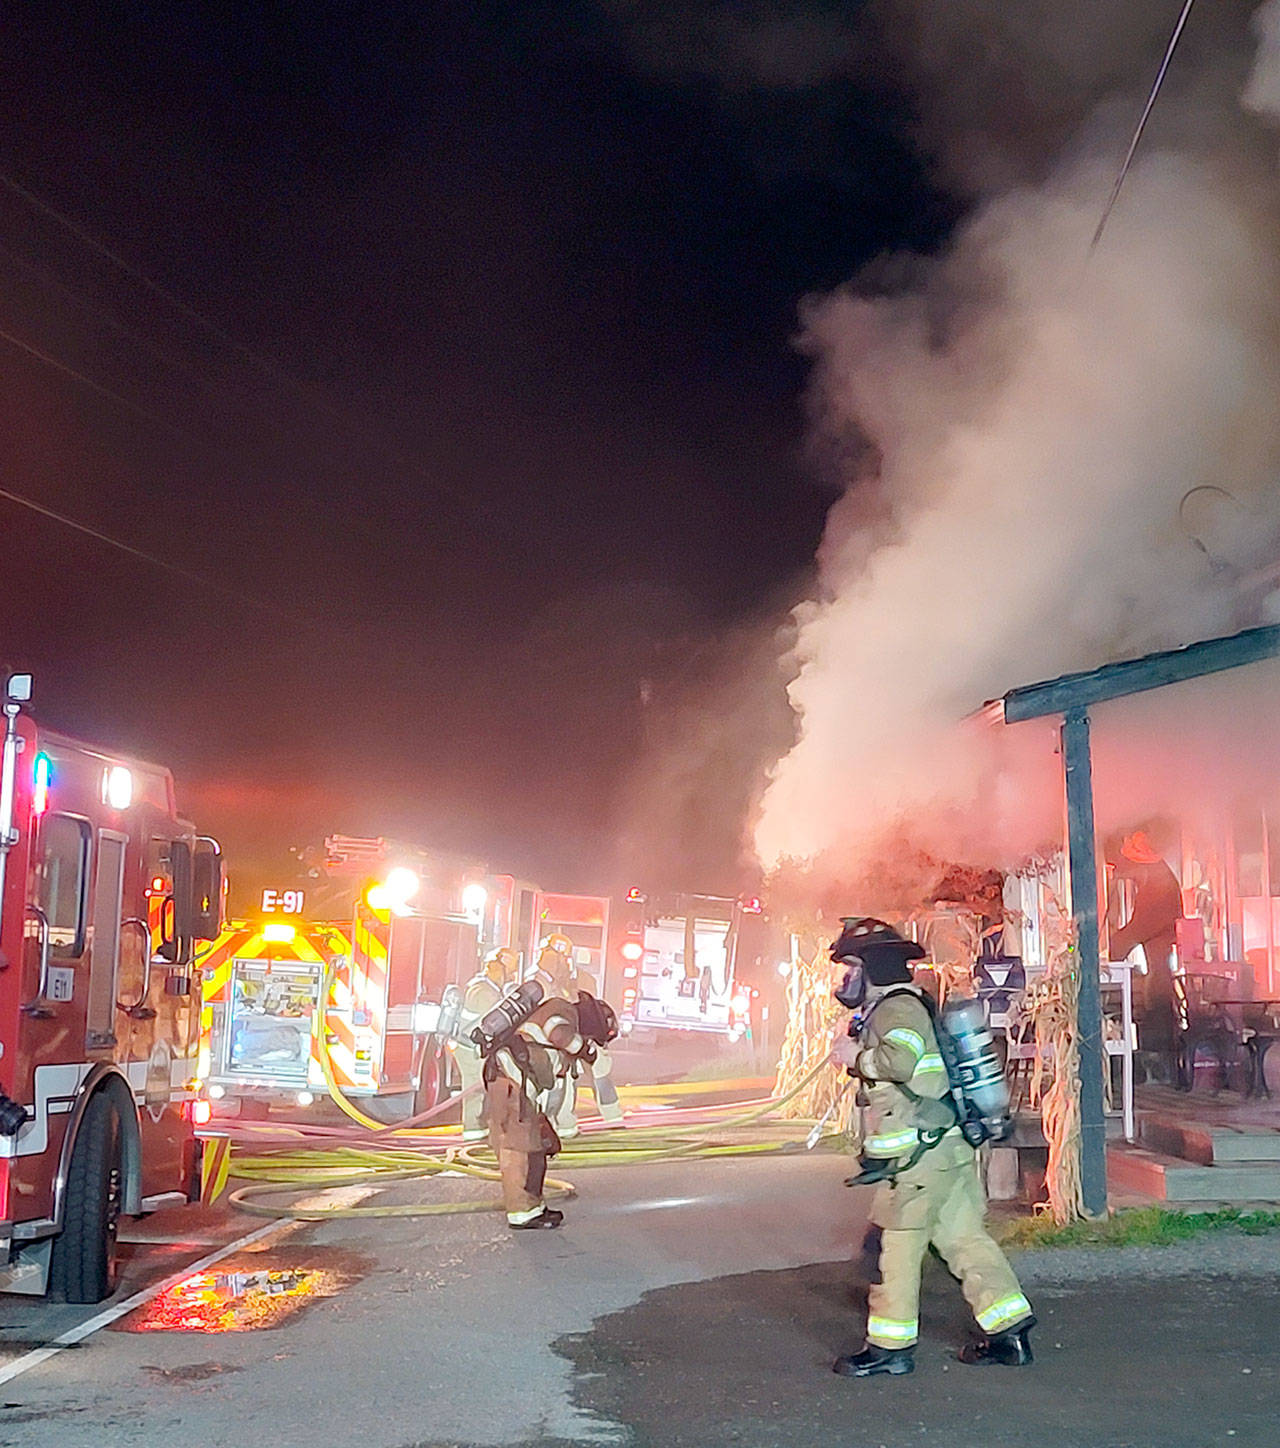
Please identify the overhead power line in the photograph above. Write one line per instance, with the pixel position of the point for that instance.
(103, 391)
(145, 557)
(281, 376)
(1142, 124)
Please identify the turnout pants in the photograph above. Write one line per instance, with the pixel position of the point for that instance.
(938, 1201)
(470, 1067)
(606, 1094)
(522, 1139)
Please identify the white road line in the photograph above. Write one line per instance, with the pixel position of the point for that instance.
(108, 1315)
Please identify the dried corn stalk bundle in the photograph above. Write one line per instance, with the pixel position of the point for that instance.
(1051, 1008)
(814, 1018)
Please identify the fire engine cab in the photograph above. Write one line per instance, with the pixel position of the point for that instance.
(104, 893)
(342, 969)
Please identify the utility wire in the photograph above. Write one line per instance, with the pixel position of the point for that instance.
(103, 391)
(264, 364)
(1142, 125)
(78, 299)
(145, 557)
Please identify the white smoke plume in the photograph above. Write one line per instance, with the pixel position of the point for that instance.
(1061, 463)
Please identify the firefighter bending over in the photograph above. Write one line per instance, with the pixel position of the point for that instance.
(560, 976)
(529, 1045)
(481, 993)
(929, 1191)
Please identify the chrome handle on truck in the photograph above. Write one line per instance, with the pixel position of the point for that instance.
(33, 1007)
(140, 1010)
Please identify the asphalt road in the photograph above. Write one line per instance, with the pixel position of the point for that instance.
(693, 1303)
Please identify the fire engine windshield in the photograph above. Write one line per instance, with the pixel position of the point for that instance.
(273, 1005)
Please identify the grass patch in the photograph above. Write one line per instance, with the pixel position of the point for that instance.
(1136, 1227)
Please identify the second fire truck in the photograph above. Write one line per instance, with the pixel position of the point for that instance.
(343, 969)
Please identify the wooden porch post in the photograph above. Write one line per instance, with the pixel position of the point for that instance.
(1082, 856)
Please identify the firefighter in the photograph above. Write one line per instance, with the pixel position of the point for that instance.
(481, 993)
(1157, 908)
(932, 1194)
(521, 1074)
(554, 967)
(560, 975)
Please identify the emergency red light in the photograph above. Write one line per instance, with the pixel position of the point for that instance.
(631, 950)
(750, 905)
(42, 777)
(157, 885)
(635, 896)
(201, 1112)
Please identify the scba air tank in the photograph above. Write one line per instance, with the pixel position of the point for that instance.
(508, 1015)
(975, 1070)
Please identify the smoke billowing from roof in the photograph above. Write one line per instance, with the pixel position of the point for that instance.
(1048, 462)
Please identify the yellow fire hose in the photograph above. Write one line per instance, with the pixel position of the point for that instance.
(291, 1170)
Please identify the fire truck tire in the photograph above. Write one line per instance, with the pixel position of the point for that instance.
(432, 1086)
(83, 1266)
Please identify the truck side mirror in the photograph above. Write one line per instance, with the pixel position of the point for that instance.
(207, 890)
(176, 920)
(17, 689)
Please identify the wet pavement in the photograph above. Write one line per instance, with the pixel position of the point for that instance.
(683, 1303)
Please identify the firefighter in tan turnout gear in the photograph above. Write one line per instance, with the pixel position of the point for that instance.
(928, 1191)
(525, 1058)
(481, 993)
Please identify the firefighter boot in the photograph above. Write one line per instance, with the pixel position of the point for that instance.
(873, 1360)
(547, 1217)
(1011, 1348)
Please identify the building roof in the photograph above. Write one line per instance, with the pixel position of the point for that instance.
(1073, 692)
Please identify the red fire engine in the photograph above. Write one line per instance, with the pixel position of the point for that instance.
(104, 892)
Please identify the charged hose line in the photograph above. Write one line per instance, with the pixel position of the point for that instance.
(405, 1152)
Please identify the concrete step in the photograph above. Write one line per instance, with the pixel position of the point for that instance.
(1174, 1179)
(1208, 1144)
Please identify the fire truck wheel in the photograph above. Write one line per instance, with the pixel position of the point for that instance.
(83, 1267)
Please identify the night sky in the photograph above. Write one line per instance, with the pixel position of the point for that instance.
(492, 430)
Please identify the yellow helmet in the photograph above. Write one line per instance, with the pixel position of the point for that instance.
(561, 944)
(506, 960)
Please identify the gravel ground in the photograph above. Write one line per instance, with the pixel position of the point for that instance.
(1215, 1254)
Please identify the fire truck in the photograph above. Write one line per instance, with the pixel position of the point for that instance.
(683, 959)
(105, 892)
(362, 976)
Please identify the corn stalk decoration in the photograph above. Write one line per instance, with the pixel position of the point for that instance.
(1051, 1014)
(814, 1019)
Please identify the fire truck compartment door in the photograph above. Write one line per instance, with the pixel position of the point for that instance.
(272, 1011)
(104, 947)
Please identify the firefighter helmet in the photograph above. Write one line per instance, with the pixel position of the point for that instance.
(597, 1020)
(561, 944)
(506, 961)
